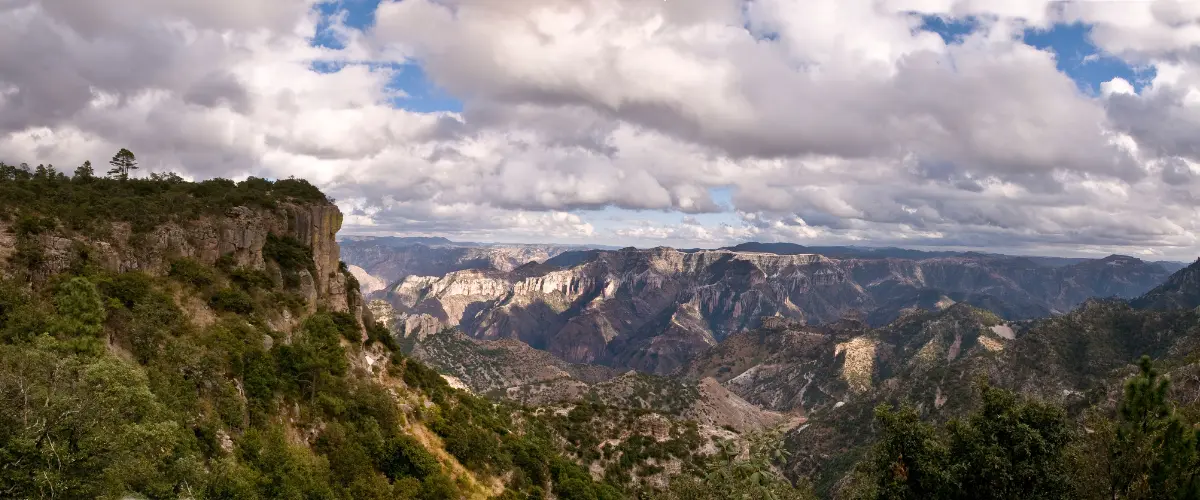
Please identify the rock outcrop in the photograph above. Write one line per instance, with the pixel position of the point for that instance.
(240, 235)
(654, 310)
(393, 259)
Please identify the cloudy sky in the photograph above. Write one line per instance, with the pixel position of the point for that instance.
(1012, 125)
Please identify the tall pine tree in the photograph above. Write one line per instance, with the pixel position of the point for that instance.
(1155, 453)
(124, 162)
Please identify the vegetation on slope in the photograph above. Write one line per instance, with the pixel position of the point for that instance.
(119, 384)
(1014, 447)
(115, 384)
(49, 198)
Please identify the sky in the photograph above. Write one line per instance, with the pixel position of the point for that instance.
(1019, 126)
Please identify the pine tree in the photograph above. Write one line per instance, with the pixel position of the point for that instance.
(1155, 453)
(80, 309)
(909, 460)
(124, 162)
(85, 172)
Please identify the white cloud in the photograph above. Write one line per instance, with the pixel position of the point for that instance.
(828, 120)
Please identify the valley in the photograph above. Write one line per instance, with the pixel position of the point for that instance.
(653, 310)
(232, 330)
(804, 343)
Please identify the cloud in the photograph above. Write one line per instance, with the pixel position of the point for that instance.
(827, 121)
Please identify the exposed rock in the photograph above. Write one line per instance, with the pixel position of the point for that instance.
(393, 259)
(859, 363)
(656, 309)
(367, 283)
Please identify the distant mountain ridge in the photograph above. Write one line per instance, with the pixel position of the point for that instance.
(1180, 291)
(654, 309)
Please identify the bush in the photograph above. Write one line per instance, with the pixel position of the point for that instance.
(232, 300)
(292, 257)
(251, 279)
(192, 272)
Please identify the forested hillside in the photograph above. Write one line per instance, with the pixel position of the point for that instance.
(161, 338)
(171, 339)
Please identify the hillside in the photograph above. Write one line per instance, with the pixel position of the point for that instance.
(654, 310)
(162, 338)
(1180, 291)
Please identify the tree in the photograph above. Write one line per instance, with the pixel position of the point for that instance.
(79, 315)
(1154, 454)
(124, 162)
(85, 172)
(730, 473)
(909, 460)
(1010, 448)
(79, 308)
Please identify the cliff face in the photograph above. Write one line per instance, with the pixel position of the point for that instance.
(654, 309)
(391, 260)
(241, 233)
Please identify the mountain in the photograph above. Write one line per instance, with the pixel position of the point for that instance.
(1180, 291)
(163, 339)
(391, 259)
(835, 375)
(654, 310)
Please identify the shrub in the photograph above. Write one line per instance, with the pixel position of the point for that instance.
(232, 300)
(292, 257)
(192, 272)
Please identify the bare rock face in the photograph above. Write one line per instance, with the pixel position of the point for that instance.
(368, 283)
(394, 259)
(240, 233)
(654, 310)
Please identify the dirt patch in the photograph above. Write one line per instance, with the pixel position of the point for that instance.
(432, 442)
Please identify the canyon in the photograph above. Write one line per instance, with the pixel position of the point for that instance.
(653, 310)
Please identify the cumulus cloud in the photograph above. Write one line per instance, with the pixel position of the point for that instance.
(826, 121)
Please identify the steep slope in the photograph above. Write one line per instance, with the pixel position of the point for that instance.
(160, 338)
(1180, 291)
(653, 310)
(1077, 360)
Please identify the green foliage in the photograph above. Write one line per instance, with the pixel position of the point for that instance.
(1007, 448)
(377, 333)
(347, 326)
(232, 300)
(251, 279)
(732, 474)
(1010, 448)
(89, 204)
(33, 224)
(1154, 453)
(79, 310)
(192, 272)
(314, 358)
(152, 320)
(292, 257)
(85, 427)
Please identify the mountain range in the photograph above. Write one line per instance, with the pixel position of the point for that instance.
(653, 310)
(822, 382)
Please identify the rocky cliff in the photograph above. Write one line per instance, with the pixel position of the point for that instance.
(654, 310)
(239, 236)
(390, 260)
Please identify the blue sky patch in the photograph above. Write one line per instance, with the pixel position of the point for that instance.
(1076, 55)
(422, 95)
(1080, 59)
(952, 30)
